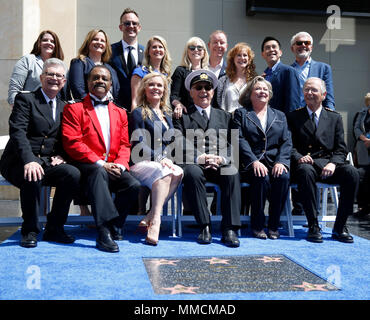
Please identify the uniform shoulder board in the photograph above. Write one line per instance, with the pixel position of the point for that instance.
(331, 110)
(299, 108)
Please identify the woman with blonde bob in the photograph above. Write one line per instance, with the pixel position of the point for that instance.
(95, 50)
(150, 124)
(194, 57)
(239, 71)
(157, 59)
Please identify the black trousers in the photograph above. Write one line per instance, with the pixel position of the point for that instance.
(262, 188)
(306, 176)
(363, 195)
(194, 190)
(99, 185)
(64, 177)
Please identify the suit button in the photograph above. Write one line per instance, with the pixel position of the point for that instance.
(104, 154)
(308, 154)
(263, 139)
(309, 146)
(42, 147)
(263, 151)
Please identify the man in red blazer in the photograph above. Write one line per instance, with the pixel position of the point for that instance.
(95, 136)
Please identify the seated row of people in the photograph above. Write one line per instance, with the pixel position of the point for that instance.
(97, 153)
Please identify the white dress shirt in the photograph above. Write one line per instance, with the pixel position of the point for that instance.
(54, 105)
(134, 51)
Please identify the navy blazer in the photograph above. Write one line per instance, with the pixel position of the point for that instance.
(77, 78)
(150, 136)
(34, 135)
(271, 147)
(118, 63)
(286, 89)
(200, 137)
(324, 145)
(323, 71)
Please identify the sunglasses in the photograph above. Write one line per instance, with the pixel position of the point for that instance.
(299, 43)
(129, 23)
(200, 87)
(199, 48)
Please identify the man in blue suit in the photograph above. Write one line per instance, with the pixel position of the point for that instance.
(126, 55)
(301, 45)
(283, 78)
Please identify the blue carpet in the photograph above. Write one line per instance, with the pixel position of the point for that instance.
(79, 271)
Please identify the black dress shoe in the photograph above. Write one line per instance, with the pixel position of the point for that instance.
(314, 234)
(29, 240)
(116, 233)
(205, 236)
(230, 239)
(273, 235)
(104, 241)
(57, 235)
(260, 234)
(342, 236)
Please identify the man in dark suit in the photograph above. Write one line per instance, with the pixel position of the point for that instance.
(127, 54)
(217, 47)
(95, 136)
(319, 154)
(34, 156)
(301, 45)
(283, 78)
(208, 158)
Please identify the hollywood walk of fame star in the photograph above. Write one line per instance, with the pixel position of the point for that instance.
(267, 259)
(217, 261)
(311, 286)
(181, 289)
(161, 262)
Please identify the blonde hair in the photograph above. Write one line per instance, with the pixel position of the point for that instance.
(249, 70)
(165, 67)
(83, 52)
(186, 62)
(367, 99)
(143, 102)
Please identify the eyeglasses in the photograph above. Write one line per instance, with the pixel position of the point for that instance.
(50, 75)
(200, 87)
(192, 48)
(299, 43)
(129, 23)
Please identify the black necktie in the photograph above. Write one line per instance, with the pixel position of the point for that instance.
(205, 116)
(130, 60)
(53, 113)
(313, 121)
(97, 102)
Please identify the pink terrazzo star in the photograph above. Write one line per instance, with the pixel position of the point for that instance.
(311, 286)
(161, 262)
(217, 261)
(267, 259)
(181, 289)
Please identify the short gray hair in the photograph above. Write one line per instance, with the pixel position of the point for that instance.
(322, 83)
(54, 62)
(245, 96)
(301, 33)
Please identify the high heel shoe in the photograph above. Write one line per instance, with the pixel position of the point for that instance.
(153, 234)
